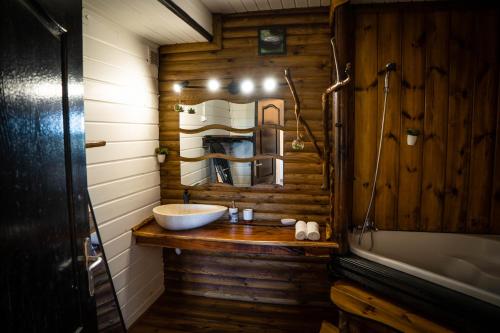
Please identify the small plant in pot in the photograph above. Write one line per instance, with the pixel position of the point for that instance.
(411, 136)
(178, 108)
(191, 111)
(161, 154)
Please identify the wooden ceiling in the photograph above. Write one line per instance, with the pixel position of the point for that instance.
(241, 6)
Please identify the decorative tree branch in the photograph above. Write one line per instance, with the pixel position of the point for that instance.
(288, 78)
(338, 83)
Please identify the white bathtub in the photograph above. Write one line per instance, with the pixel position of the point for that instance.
(469, 264)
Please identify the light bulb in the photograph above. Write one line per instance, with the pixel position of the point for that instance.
(247, 86)
(177, 88)
(213, 85)
(269, 84)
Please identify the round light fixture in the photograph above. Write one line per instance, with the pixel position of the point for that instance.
(247, 86)
(177, 88)
(213, 85)
(270, 84)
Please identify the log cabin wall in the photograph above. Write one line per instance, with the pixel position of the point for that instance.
(251, 278)
(446, 86)
(308, 57)
(254, 278)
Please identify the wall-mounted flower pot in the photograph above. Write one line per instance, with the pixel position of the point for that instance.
(161, 154)
(412, 136)
(161, 158)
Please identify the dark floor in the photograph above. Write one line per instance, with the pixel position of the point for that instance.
(184, 313)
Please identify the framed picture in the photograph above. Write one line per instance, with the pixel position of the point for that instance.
(272, 40)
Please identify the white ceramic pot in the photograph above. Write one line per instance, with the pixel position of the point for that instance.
(161, 158)
(411, 139)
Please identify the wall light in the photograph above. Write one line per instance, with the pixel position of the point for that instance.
(269, 84)
(213, 85)
(177, 88)
(247, 86)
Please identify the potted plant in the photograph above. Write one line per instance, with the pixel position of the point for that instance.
(411, 136)
(178, 108)
(161, 153)
(191, 111)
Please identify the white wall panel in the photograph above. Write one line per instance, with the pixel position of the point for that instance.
(106, 172)
(121, 107)
(115, 132)
(114, 151)
(119, 113)
(119, 207)
(116, 227)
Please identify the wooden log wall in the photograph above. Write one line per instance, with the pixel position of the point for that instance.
(447, 86)
(308, 57)
(251, 278)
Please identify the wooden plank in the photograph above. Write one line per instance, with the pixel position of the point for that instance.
(389, 50)
(319, 16)
(95, 144)
(365, 124)
(223, 232)
(435, 120)
(412, 109)
(461, 93)
(483, 121)
(343, 137)
(290, 31)
(353, 299)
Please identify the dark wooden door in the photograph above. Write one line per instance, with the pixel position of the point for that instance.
(267, 141)
(43, 219)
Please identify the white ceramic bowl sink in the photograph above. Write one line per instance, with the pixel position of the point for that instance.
(187, 216)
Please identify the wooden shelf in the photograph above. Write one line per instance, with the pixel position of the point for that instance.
(353, 298)
(222, 236)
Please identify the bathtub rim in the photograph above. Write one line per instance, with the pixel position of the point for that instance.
(425, 274)
(462, 312)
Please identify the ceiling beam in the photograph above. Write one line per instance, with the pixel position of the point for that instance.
(180, 13)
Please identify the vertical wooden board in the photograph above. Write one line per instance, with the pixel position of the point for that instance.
(389, 50)
(365, 122)
(342, 156)
(459, 112)
(495, 195)
(435, 120)
(412, 114)
(483, 122)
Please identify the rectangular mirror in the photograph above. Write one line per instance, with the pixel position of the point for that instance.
(237, 133)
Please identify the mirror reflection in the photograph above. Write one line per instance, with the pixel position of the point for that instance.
(221, 119)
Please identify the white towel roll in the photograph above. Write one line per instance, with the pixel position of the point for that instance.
(300, 230)
(313, 231)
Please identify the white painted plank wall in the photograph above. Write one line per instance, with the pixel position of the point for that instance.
(121, 107)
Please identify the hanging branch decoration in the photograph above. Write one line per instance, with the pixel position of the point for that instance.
(298, 140)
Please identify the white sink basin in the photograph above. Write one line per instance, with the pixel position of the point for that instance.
(187, 216)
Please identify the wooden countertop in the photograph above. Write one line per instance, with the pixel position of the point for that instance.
(223, 236)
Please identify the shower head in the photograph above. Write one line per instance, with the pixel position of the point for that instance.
(391, 66)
